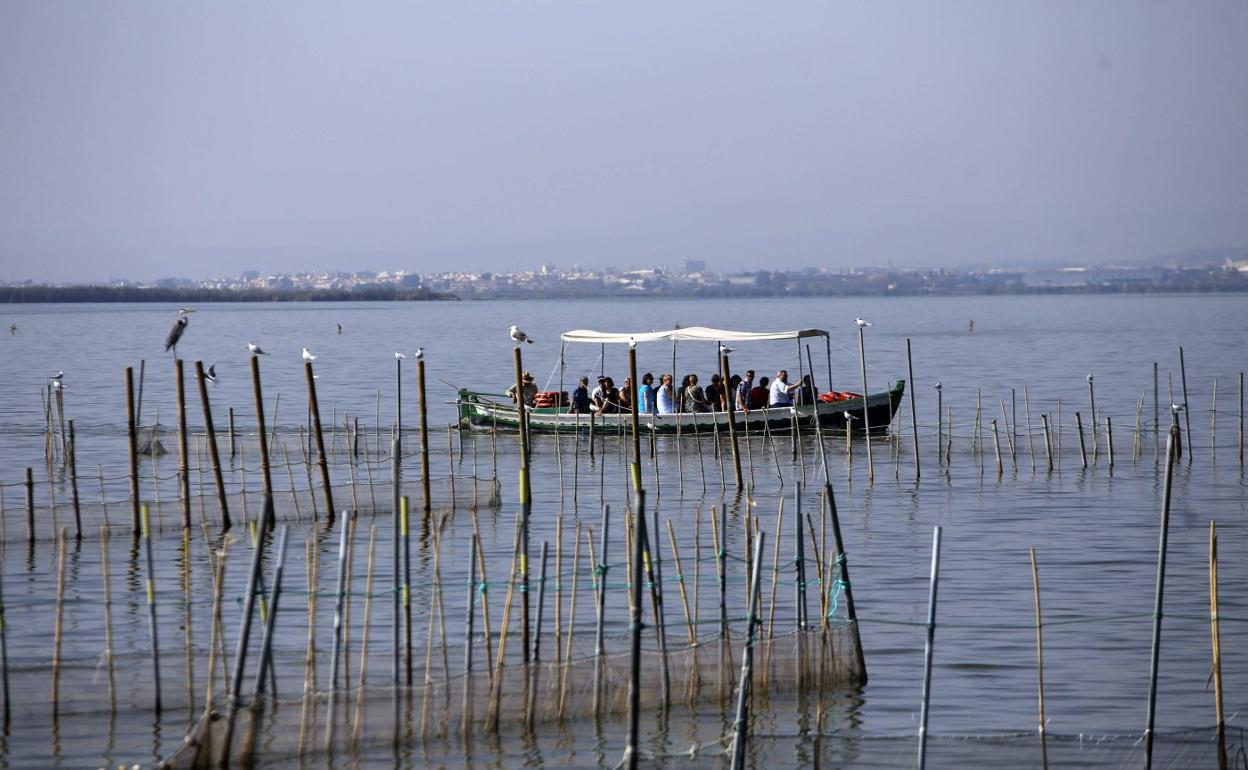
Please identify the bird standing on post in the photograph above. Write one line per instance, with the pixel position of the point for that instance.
(419, 355)
(255, 349)
(519, 336)
(399, 356)
(175, 334)
(861, 322)
(307, 355)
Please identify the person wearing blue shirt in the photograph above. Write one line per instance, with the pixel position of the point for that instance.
(646, 394)
(580, 397)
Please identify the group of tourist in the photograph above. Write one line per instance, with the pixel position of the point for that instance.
(665, 398)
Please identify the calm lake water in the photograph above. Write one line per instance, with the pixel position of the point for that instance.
(1095, 530)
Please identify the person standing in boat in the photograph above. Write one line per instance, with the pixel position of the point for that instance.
(580, 397)
(528, 390)
(694, 396)
(742, 394)
(806, 393)
(665, 398)
(715, 394)
(781, 393)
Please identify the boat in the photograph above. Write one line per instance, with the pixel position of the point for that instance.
(832, 410)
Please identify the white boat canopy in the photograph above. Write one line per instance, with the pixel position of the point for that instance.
(691, 333)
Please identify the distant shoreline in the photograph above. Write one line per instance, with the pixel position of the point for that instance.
(109, 294)
(104, 294)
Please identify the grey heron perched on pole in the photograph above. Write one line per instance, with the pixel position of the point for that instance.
(179, 328)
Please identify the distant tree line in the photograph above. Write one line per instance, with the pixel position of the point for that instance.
(188, 295)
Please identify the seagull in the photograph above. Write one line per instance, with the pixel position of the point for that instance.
(399, 356)
(57, 384)
(419, 355)
(632, 343)
(849, 416)
(254, 348)
(937, 386)
(1176, 408)
(861, 322)
(519, 336)
(307, 355)
(175, 334)
(1089, 378)
(724, 349)
(57, 376)
(211, 375)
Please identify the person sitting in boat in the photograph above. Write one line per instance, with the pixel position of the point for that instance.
(608, 399)
(806, 393)
(758, 394)
(528, 389)
(626, 395)
(645, 393)
(665, 399)
(694, 396)
(781, 393)
(598, 393)
(730, 392)
(715, 394)
(580, 397)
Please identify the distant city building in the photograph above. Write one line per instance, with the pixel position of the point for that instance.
(695, 266)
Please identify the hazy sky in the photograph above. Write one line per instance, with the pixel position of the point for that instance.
(148, 139)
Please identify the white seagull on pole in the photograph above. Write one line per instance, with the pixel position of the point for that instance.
(307, 355)
(57, 376)
(419, 355)
(632, 343)
(519, 336)
(255, 349)
(861, 322)
(399, 356)
(724, 349)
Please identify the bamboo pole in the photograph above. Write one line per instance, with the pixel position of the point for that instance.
(266, 642)
(4, 651)
(1035, 582)
(1092, 416)
(566, 665)
(939, 421)
(214, 630)
(368, 608)
(327, 489)
(1109, 440)
(1048, 446)
(56, 629)
(150, 584)
(485, 597)
(1009, 438)
(1171, 448)
(928, 646)
(30, 504)
(680, 581)
(1216, 640)
(1213, 425)
(108, 628)
(851, 610)
(600, 588)
(465, 724)
(996, 445)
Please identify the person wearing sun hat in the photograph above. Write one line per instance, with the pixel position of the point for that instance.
(528, 389)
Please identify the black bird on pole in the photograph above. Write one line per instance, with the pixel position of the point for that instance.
(175, 334)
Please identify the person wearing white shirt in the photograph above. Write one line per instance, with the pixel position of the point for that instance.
(781, 393)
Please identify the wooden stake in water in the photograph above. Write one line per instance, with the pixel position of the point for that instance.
(914, 415)
(996, 445)
(184, 458)
(133, 441)
(730, 399)
(424, 436)
(1048, 446)
(1031, 440)
(244, 631)
(631, 755)
(1171, 443)
(1109, 439)
(326, 487)
(1035, 583)
(1092, 414)
(866, 416)
(4, 655)
(600, 587)
(72, 454)
(1187, 408)
(928, 646)
(466, 705)
(260, 428)
(746, 685)
(1083, 454)
(1216, 639)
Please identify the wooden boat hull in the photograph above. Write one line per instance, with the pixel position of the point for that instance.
(495, 411)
